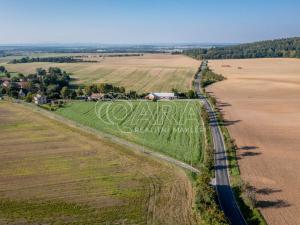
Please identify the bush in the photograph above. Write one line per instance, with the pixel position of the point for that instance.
(209, 77)
(29, 97)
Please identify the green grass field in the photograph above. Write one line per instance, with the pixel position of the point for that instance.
(170, 127)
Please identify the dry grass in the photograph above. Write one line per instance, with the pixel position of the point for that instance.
(261, 98)
(50, 173)
(151, 72)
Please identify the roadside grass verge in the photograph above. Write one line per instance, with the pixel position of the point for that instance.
(206, 196)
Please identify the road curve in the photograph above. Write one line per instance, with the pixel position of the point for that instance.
(226, 197)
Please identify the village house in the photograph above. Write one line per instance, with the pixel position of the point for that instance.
(5, 81)
(96, 97)
(23, 84)
(40, 99)
(160, 96)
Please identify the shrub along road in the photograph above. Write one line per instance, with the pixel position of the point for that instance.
(225, 194)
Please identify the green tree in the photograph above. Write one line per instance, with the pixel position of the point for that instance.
(175, 91)
(65, 92)
(72, 94)
(191, 94)
(40, 72)
(2, 69)
(29, 97)
(79, 91)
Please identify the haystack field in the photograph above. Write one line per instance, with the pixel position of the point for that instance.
(261, 101)
(53, 174)
(146, 73)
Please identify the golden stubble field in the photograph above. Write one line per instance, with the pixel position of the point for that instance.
(261, 101)
(147, 73)
(53, 174)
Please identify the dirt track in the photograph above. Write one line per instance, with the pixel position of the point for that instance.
(261, 101)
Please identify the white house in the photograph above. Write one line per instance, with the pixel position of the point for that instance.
(160, 96)
(40, 99)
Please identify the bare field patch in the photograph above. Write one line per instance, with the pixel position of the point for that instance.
(261, 102)
(50, 173)
(147, 73)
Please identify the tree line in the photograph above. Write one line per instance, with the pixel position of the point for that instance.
(63, 59)
(288, 47)
(209, 77)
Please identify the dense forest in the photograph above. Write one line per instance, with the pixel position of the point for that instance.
(289, 47)
(64, 59)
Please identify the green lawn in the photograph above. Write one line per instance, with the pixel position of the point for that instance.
(171, 127)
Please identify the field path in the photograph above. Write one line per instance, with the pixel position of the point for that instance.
(120, 141)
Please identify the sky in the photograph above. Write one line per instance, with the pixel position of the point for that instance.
(147, 21)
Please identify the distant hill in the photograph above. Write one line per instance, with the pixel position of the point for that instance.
(288, 47)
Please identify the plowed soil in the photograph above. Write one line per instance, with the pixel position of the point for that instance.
(261, 103)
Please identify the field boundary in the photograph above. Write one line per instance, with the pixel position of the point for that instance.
(112, 138)
(252, 215)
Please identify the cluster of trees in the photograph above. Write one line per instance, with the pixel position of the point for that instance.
(114, 91)
(189, 94)
(49, 82)
(209, 77)
(63, 59)
(289, 47)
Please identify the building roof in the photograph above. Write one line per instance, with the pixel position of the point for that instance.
(97, 95)
(163, 94)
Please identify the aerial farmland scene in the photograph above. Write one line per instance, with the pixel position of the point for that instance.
(149, 112)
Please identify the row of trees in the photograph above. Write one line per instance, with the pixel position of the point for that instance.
(189, 94)
(209, 77)
(64, 59)
(289, 47)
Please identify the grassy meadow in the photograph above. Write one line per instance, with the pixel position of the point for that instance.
(147, 73)
(170, 127)
(53, 174)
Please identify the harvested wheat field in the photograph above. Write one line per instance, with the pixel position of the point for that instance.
(261, 101)
(53, 174)
(146, 73)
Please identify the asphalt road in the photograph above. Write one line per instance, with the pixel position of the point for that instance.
(226, 197)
